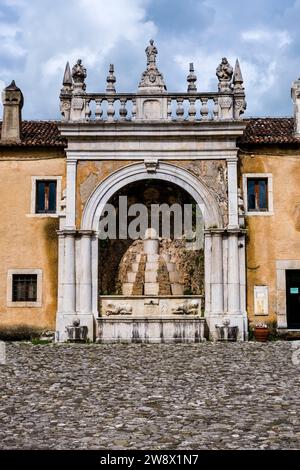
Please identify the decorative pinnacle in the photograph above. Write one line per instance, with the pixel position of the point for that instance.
(191, 79)
(67, 80)
(152, 79)
(111, 80)
(12, 87)
(237, 77)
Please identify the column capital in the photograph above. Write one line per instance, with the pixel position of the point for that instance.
(233, 160)
(65, 232)
(236, 231)
(86, 233)
(71, 161)
(214, 231)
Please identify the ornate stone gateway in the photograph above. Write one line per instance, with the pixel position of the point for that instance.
(183, 139)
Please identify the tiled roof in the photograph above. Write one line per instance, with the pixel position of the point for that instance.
(39, 134)
(258, 131)
(269, 131)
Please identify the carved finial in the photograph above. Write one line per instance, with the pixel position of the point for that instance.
(67, 80)
(240, 103)
(237, 78)
(79, 75)
(66, 93)
(191, 79)
(151, 53)
(12, 87)
(111, 80)
(224, 73)
(152, 79)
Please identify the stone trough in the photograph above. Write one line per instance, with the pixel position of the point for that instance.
(158, 319)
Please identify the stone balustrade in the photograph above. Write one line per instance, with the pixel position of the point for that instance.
(176, 107)
(152, 102)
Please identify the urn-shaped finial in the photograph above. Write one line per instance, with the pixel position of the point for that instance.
(191, 79)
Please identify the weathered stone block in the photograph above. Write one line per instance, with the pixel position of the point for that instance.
(151, 288)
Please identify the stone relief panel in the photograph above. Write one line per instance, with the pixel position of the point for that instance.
(89, 175)
(214, 174)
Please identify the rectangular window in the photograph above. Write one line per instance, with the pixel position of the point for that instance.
(45, 197)
(24, 287)
(257, 191)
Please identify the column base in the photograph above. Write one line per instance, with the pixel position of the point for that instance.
(66, 319)
(214, 320)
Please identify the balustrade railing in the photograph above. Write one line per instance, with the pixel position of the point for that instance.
(120, 107)
(152, 102)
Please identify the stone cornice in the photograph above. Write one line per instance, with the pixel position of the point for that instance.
(152, 128)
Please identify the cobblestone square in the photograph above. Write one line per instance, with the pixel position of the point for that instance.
(137, 396)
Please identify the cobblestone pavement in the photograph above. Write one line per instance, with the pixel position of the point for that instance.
(207, 396)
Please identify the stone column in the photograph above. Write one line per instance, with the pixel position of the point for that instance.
(86, 272)
(242, 259)
(233, 217)
(60, 275)
(94, 267)
(233, 273)
(71, 194)
(69, 302)
(207, 271)
(217, 293)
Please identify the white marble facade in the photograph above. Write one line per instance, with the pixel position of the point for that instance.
(154, 142)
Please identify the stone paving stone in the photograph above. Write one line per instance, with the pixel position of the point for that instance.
(175, 396)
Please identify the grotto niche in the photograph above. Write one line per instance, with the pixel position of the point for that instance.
(172, 269)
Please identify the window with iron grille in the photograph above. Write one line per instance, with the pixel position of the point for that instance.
(45, 197)
(257, 191)
(24, 287)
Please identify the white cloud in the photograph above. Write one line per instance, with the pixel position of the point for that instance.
(39, 37)
(45, 38)
(280, 38)
(2, 86)
(8, 30)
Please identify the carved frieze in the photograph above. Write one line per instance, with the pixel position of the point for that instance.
(214, 174)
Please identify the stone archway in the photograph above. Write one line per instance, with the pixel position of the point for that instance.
(224, 262)
(138, 171)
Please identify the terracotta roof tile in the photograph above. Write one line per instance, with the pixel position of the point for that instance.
(269, 131)
(258, 131)
(39, 134)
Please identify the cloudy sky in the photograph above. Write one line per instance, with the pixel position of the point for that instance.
(37, 37)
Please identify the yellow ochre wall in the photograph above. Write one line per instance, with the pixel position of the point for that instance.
(28, 242)
(274, 237)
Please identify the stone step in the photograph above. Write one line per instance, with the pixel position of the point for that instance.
(171, 267)
(131, 277)
(166, 257)
(152, 258)
(177, 289)
(151, 267)
(135, 267)
(174, 277)
(127, 288)
(150, 276)
(151, 288)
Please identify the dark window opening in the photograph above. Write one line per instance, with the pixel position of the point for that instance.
(257, 190)
(24, 288)
(45, 197)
